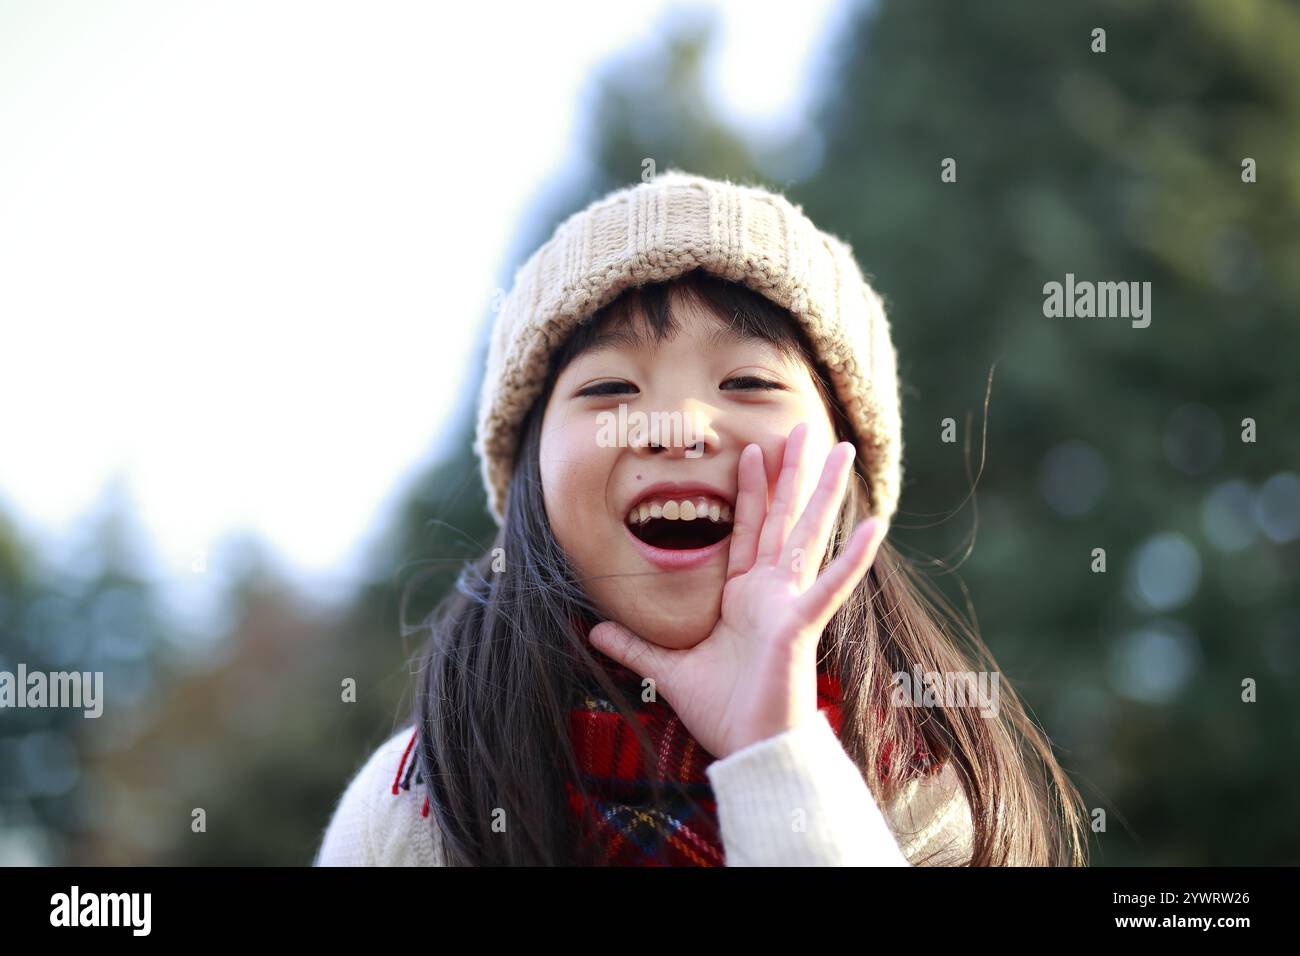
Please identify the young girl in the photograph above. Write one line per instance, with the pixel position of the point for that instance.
(690, 645)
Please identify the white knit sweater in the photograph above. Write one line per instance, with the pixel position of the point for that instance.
(795, 799)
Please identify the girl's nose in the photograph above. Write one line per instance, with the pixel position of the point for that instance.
(694, 450)
(685, 439)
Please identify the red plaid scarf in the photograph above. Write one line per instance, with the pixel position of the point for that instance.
(631, 831)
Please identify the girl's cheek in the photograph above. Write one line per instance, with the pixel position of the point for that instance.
(574, 467)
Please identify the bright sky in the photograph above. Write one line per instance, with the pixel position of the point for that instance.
(246, 248)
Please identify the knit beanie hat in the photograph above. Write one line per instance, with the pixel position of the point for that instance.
(658, 230)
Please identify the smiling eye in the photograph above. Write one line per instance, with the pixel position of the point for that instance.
(604, 388)
(752, 382)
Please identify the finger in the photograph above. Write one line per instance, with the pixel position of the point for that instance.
(806, 546)
(633, 652)
(834, 585)
(747, 516)
(780, 517)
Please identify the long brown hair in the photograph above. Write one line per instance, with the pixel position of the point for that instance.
(504, 661)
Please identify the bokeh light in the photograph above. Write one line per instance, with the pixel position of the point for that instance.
(1152, 664)
(1164, 573)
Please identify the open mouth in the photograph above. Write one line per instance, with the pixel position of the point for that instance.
(680, 524)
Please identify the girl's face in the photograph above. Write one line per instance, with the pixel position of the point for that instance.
(722, 393)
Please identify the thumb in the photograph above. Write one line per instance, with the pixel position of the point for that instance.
(633, 652)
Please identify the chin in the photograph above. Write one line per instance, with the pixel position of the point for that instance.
(671, 608)
(681, 626)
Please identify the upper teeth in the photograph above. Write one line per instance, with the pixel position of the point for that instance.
(680, 509)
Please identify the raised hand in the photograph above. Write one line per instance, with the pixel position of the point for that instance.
(755, 675)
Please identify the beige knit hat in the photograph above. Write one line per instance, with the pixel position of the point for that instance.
(659, 230)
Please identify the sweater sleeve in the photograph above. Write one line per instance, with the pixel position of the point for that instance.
(797, 799)
(374, 826)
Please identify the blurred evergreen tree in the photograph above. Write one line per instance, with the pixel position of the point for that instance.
(1123, 165)
(95, 614)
